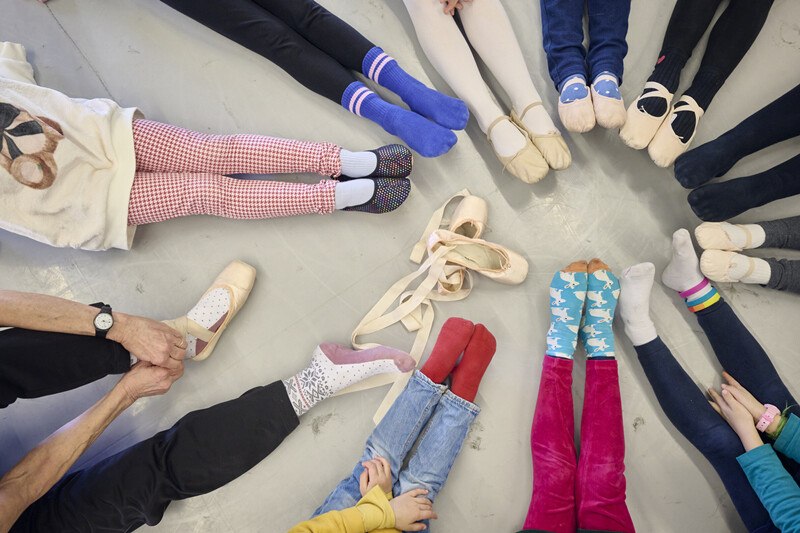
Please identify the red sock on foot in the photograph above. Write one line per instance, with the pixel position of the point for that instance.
(452, 340)
(479, 352)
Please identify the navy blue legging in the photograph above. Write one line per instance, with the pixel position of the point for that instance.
(689, 411)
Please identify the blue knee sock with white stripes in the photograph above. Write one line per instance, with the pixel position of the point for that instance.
(384, 70)
(425, 137)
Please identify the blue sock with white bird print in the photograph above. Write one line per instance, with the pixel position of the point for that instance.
(567, 293)
(602, 293)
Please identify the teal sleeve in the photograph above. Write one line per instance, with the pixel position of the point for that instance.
(776, 489)
(788, 442)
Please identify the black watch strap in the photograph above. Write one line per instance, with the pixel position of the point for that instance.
(104, 308)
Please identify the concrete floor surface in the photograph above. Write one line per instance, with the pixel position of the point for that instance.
(318, 276)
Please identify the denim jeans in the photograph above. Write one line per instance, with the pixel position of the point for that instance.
(687, 408)
(562, 29)
(422, 403)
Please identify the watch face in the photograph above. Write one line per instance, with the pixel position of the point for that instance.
(103, 321)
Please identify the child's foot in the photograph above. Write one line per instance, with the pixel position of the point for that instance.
(334, 367)
(645, 115)
(575, 105)
(730, 237)
(601, 301)
(730, 267)
(636, 283)
(516, 152)
(387, 194)
(609, 109)
(683, 271)
(210, 312)
(567, 295)
(390, 161)
(477, 355)
(450, 344)
(715, 202)
(425, 137)
(544, 135)
(704, 163)
(676, 133)
(384, 70)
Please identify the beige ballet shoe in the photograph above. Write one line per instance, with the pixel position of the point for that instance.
(470, 216)
(712, 236)
(640, 127)
(238, 279)
(716, 265)
(577, 116)
(491, 260)
(528, 164)
(551, 145)
(609, 112)
(665, 147)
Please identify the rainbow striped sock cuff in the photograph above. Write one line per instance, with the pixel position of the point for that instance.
(354, 96)
(374, 63)
(701, 296)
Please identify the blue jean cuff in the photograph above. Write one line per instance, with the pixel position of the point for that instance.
(425, 381)
(460, 403)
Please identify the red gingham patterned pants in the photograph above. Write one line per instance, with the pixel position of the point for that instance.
(182, 172)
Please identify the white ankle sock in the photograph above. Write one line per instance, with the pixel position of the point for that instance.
(506, 139)
(724, 266)
(636, 282)
(727, 236)
(353, 192)
(683, 271)
(358, 164)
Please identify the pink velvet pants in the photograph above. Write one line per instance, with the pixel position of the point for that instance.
(572, 494)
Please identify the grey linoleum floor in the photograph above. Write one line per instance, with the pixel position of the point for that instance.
(319, 275)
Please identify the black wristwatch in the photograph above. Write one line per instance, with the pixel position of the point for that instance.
(103, 322)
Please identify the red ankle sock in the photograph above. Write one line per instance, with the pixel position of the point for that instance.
(479, 352)
(452, 340)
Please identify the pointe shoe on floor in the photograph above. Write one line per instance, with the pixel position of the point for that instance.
(492, 260)
(470, 216)
(237, 281)
(640, 127)
(666, 145)
(528, 164)
(551, 145)
(390, 193)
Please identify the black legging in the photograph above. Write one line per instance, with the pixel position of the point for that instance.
(732, 36)
(314, 46)
(35, 363)
(686, 407)
(203, 451)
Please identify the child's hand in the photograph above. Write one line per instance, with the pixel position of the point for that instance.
(744, 397)
(376, 472)
(411, 507)
(737, 416)
(450, 6)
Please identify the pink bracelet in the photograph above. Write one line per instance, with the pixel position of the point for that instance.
(766, 419)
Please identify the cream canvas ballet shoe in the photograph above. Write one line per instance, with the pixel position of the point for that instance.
(640, 127)
(528, 164)
(470, 216)
(237, 279)
(551, 145)
(666, 146)
(712, 236)
(491, 260)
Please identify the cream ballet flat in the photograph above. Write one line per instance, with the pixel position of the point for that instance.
(716, 265)
(528, 164)
(551, 145)
(712, 236)
(489, 259)
(237, 279)
(665, 147)
(640, 127)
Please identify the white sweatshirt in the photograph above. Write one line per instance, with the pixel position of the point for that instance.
(66, 164)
